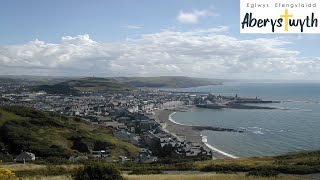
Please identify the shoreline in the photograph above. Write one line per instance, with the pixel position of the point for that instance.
(204, 140)
(187, 132)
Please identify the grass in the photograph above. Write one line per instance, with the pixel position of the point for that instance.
(34, 171)
(49, 134)
(47, 178)
(173, 177)
(202, 176)
(295, 163)
(36, 167)
(23, 167)
(7, 116)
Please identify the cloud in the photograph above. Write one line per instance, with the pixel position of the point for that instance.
(200, 53)
(193, 16)
(132, 27)
(80, 39)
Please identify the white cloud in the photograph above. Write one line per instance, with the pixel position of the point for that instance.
(201, 53)
(193, 16)
(80, 39)
(132, 27)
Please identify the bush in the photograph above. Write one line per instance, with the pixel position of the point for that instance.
(263, 173)
(4, 157)
(142, 171)
(97, 171)
(6, 174)
(56, 160)
(226, 167)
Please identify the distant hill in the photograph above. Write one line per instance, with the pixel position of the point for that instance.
(168, 81)
(96, 84)
(84, 85)
(123, 83)
(49, 135)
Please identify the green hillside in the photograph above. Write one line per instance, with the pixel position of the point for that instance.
(97, 84)
(51, 135)
(292, 163)
(94, 84)
(84, 85)
(168, 81)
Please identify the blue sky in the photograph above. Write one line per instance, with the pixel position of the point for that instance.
(109, 24)
(23, 21)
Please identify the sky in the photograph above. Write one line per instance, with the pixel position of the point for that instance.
(146, 38)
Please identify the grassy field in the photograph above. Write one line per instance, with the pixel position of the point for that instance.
(298, 163)
(177, 177)
(37, 167)
(47, 178)
(203, 176)
(52, 172)
(7, 116)
(295, 163)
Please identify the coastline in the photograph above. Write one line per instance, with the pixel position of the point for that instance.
(187, 132)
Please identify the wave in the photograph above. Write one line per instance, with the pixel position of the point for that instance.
(204, 140)
(303, 101)
(219, 151)
(295, 109)
(173, 121)
(257, 130)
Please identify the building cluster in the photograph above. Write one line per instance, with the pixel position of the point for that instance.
(129, 113)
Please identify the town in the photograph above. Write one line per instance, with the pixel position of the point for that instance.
(131, 114)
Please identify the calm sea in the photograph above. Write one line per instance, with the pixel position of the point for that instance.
(295, 126)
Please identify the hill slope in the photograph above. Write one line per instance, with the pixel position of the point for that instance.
(51, 135)
(84, 85)
(293, 163)
(123, 83)
(168, 81)
(97, 84)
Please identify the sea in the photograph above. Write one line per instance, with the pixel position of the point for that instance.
(294, 126)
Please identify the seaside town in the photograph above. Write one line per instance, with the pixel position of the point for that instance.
(159, 90)
(141, 117)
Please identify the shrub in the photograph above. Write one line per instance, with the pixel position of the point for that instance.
(6, 174)
(184, 166)
(4, 157)
(97, 171)
(56, 160)
(263, 173)
(145, 171)
(226, 167)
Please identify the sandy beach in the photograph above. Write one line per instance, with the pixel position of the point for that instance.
(187, 132)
